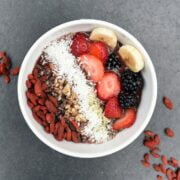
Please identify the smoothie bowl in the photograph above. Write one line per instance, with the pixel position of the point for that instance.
(87, 88)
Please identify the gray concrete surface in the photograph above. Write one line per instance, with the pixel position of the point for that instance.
(155, 23)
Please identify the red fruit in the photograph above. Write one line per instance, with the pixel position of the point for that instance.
(109, 86)
(150, 144)
(126, 121)
(36, 108)
(163, 170)
(60, 133)
(146, 157)
(169, 132)
(168, 103)
(75, 125)
(41, 115)
(178, 174)
(30, 104)
(15, 71)
(159, 177)
(157, 139)
(74, 137)
(7, 62)
(174, 162)
(112, 108)
(28, 84)
(169, 173)
(99, 49)
(53, 100)
(47, 129)
(2, 54)
(50, 117)
(30, 77)
(38, 88)
(149, 133)
(80, 44)
(32, 97)
(145, 163)
(2, 68)
(157, 167)
(164, 160)
(93, 67)
(7, 79)
(37, 119)
(50, 106)
(68, 137)
(154, 154)
(52, 126)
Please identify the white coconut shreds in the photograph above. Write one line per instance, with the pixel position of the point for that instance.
(65, 66)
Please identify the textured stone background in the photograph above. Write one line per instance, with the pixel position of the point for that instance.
(155, 23)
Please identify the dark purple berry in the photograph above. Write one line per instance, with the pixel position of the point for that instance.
(127, 100)
(132, 82)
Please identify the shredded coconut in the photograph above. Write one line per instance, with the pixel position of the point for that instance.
(65, 66)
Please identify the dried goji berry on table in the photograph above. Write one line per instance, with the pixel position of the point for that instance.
(164, 160)
(15, 71)
(7, 79)
(168, 103)
(145, 163)
(169, 132)
(159, 177)
(149, 133)
(146, 157)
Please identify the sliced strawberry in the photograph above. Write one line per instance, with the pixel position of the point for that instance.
(112, 108)
(80, 44)
(109, 86)
(93, 67)
(100, 50)
(126, 121)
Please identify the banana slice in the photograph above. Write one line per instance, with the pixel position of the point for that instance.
(132, 57)
(105, 35)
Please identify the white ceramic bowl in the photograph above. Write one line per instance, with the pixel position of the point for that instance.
(123, 138)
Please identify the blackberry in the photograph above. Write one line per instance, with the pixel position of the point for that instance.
(127, 100)
(113, 62)
(132, 82)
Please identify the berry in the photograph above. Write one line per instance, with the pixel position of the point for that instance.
(127, 100)
(113, 62)
(80, 44)
(109, 86)
(126, 121)
(112, 108)
(92, 66)
(99, 49)
(132, 82)
(168, 103)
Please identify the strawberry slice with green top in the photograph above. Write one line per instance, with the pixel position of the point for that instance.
(92, 66)
(126, 121)
(112, 108)
(109, 86)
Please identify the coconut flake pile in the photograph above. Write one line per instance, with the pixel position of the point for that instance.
(65, 66)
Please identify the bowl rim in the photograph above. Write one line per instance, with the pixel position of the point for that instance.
(107, 152)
